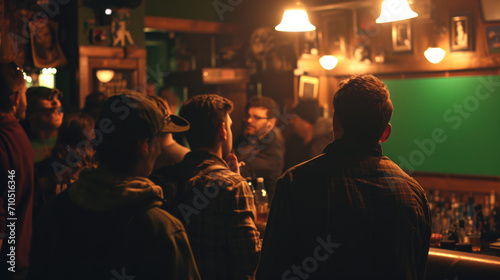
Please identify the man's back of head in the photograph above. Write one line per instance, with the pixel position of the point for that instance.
(206, 113)
(11, 84)
(363, 108)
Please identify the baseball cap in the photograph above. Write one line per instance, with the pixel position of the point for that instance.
(173, 123)
(143, 114)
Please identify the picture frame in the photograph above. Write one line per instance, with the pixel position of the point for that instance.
(461, 33)
(493, 39)
(490, 10)
(336, 35)
(401, 36)
(308, 87)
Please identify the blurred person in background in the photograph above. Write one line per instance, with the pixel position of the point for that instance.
(72, 152)
(306, 141)
(93, 104)
(44, 116)
(16, 171)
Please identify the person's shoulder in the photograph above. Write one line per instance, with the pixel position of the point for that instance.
(311, 167)
(157, 221)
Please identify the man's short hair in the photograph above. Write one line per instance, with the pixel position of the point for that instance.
(10, 77)
(265, 102)
(205, 113)
(363, 107)
(124, 121)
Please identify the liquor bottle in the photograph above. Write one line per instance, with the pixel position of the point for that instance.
(261, 200)
(250, 183)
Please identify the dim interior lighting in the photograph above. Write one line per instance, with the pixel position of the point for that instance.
(108, 12)
(328, 62)
(104, 76)
(295, 20)
(395, 10)
(434, 55)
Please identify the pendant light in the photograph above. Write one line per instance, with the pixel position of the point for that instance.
(295, 19)
(395, 10)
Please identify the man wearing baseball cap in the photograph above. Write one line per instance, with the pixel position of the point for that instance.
(109, 224)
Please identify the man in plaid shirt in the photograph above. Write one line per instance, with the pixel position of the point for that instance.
(350, 213)
(214, 202)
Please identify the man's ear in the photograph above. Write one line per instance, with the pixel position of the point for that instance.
(386, 134)
(272, 123)
(222, 132)
(14, 98)
(143, 147)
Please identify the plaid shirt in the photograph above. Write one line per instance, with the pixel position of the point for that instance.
(350, 213)
(217, 209)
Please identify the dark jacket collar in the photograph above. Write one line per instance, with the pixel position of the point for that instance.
(347, 147)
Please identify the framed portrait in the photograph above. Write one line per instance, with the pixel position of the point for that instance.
(490, 10)
(493, 39)
(401, 36)
(461, 33)
(45, 44)
(337, 33)
(308, 87)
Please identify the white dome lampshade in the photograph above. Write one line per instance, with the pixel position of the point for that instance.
(434, 55)
(104, 76)
(328, 62)
(295, 20)
(395, 10)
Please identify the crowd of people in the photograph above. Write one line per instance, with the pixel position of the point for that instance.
(109, 193)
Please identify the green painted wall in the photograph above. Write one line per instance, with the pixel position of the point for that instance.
(448, 125)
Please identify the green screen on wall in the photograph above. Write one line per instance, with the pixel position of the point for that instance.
(446, 125)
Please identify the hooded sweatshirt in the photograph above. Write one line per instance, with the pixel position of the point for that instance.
(106, 226)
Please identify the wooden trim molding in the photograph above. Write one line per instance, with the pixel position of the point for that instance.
(189, 25)
(98, 57)
(460, 183)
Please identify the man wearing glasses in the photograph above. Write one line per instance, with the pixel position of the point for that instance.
(262, 148)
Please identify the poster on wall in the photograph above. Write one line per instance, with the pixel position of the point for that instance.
(45, 44)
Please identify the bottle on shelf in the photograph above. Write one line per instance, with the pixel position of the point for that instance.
(261, 200)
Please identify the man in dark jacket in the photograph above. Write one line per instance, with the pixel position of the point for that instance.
(350, 213)
(262, 148)
(108, 224)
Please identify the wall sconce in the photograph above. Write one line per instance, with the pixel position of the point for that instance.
(104, 76)
(295, 20)
(434, 53)
(328, 62)
(395, 10)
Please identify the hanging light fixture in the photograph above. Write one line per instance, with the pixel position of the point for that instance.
(328, 62)
(295, 20)
(434, 55)
(395, 10)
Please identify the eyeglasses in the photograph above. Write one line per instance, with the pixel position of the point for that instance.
(255, 118)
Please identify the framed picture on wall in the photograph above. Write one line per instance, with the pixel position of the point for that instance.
(493, 39)
(461, 33)
(401, 36)
(308, 87)
(337, 33)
